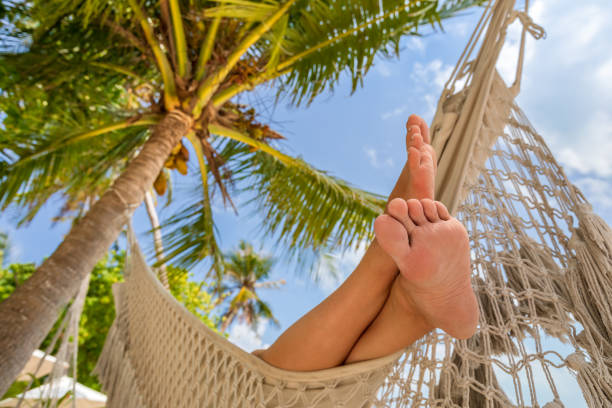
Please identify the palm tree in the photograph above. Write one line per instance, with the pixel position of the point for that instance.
(94, 87)
(4, 246)
(245, 272)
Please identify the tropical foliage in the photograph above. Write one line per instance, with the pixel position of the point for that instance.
(4, 246)
(77, 108)
(99, 310)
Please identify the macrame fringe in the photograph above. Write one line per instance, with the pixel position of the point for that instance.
(466, 381)
(589, 281)
(595, 228)
(597, 389)
(589, 285)
(531, 270)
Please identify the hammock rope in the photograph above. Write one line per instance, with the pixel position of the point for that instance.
(542, 271)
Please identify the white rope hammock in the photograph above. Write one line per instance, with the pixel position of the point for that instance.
(542, 269)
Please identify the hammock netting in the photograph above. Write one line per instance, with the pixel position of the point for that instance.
(542, 271)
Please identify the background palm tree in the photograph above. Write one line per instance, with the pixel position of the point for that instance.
(245, 271)
(95, 87)
(4, 246)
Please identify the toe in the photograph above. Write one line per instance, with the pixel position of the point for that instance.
(398, 209)
(442, 211)
(413, 131)
(415, 210)
(426, 159)
(414, 158)
(417, 141)
(391, 236)
(430, 210)
(417, 120)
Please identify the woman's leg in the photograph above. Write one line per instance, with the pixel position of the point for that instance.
(324, 337)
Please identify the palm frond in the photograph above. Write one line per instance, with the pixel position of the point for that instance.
(119, 69)
(64, 142)
(309, 208)
(206, 49)
(276, 43)
(305, 207)
(69, 168)
(171, 100)
(263, 310)
(190, 234)
(360, 31)
(327, 38)
(238, 136)
(51, 12)
(254, 11)
(178, 33)
(211, 84)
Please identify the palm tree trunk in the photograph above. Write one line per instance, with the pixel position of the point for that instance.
(157, 239)
(229, 318)
(29, 313)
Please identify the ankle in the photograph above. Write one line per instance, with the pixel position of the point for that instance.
(378, 268)
(404, 306)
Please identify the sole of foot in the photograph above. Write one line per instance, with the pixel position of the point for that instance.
(432, 252)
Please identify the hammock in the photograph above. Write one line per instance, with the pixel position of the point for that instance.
(542, 270)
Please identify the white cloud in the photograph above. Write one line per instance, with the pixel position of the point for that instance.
(416, 44)
(434, 72)
(431, 102)
(375, 160)
(243, 335)
(603, 74)
(457, 27)
(592, 21)
(589, 151)
(508, 57)
(383, 68)
(395, 112)
(431, 78)
(567, 84)
(596, 190)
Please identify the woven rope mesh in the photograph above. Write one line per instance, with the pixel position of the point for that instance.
(542, 272)
(159, 355)
(530, 228)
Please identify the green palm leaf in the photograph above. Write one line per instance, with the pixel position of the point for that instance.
(70, 167)
(328, 38)
(190, 234)
(252, 11)
(305, 207)
(360, 31)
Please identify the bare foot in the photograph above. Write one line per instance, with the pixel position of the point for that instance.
(418, 175)
(432, 252)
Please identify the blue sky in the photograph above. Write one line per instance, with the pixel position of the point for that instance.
(566, 93)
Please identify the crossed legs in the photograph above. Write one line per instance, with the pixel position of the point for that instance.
(377, 311)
